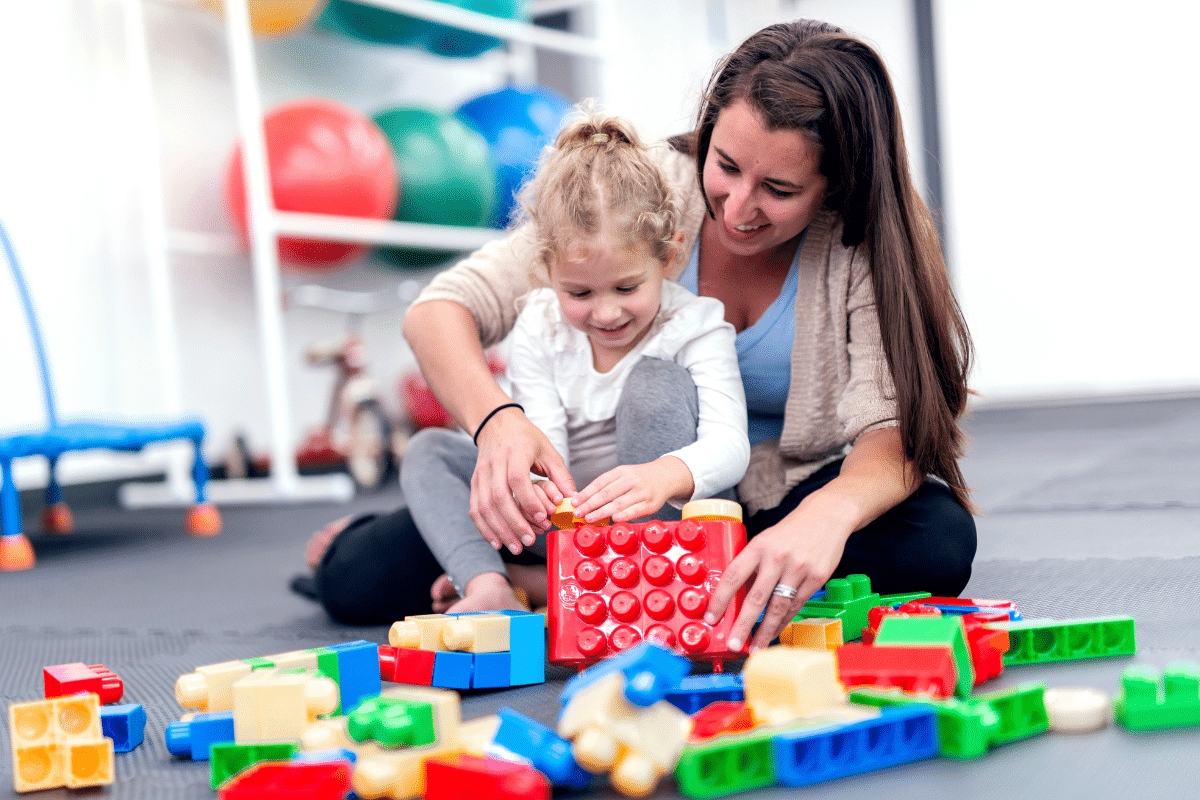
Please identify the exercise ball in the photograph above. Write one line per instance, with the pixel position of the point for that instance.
(275, 17)
(381, 26)
(517, 122)
(325, 158)
(447, 173)
(372, 24)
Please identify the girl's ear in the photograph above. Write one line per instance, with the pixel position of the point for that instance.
(674, 257)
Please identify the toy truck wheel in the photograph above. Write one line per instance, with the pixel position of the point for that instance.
(369, 451)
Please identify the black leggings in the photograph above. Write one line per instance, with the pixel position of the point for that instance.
(379, 570)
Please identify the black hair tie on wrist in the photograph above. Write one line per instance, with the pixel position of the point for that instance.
(493, 413)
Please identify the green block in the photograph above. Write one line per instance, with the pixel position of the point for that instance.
(928, 632)
(327, 664)
(228, 758)
(1038, 641)
(894, 600)
(258, 663)
(1153, 700)
(1022, 712)
(849, 599)
(966, 728)
(393, 722)
(727, 764)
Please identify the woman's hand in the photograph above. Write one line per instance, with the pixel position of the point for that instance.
(634, 490)
(799, 552)
(505, 505)
(804, 548)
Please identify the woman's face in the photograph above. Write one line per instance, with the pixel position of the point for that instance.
(764, 185)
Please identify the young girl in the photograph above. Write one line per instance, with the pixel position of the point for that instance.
(603, 356)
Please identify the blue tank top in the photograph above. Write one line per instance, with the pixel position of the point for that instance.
(764, 352)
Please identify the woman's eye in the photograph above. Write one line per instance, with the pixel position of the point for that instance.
(727, 167)
(778, 192)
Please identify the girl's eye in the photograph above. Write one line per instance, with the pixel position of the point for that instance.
(580, 294)
(628, 289)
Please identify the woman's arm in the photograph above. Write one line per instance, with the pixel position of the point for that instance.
(444, 337)
(804, 548)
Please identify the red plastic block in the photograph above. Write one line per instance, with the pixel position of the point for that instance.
(294, 780)
(467, 777)
(64, 680)
(987, 646)
(611, 587)
(721, 717)
(915, 670)
(406, 665)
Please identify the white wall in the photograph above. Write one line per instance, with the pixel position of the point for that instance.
(1067, 163)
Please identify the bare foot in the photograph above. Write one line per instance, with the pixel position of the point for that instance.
(530, 579)
(443, 593)
(319, 542)
(487, 592)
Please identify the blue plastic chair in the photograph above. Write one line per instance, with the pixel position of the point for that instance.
(57, 438)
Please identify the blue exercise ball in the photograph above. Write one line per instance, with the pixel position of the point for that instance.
(517, 122)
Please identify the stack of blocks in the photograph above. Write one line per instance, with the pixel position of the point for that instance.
(475, 650)
(59, 743)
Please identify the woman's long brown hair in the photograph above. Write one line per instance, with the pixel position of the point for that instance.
(814, 78)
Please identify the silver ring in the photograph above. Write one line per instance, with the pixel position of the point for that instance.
(784, 591)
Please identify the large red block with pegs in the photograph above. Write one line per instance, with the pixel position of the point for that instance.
(63, 680)
(611, 587)
(915, 670)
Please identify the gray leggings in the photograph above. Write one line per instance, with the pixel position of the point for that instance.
(657, 414)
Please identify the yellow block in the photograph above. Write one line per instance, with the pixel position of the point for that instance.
(423, 632)
(210, 688)
(58, 742)
(478, 633)
(271, 705)
(816, 634)
(787, 683)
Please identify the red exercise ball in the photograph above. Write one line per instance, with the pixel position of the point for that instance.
(325, 158)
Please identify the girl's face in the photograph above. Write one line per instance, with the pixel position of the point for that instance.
(764, 185)
(610, 292)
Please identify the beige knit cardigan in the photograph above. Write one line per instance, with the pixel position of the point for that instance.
(840, 385)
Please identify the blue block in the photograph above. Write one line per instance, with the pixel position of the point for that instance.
(196, 737)
(124, 724)
(696, 691)
(491, 670)
(452, 670)
(358, 672)
(959, 611)
(325, 756)
(520, 738)
(900, 735)
(527, 643)
(651, 670)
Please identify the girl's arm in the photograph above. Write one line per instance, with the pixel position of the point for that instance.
(804, 548)
(504, 503)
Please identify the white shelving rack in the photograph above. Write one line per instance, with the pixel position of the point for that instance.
(266, 224)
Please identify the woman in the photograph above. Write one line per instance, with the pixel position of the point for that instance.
(801, 216)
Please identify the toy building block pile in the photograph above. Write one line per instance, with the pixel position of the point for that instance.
(611, 587)
(466, 651)
(69, 738)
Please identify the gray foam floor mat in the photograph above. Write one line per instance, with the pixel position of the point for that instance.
(133, 592)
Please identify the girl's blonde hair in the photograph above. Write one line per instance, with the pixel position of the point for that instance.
(598, 169)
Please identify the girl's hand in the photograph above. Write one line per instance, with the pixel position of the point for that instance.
(800, 552)
(634, 490)
(505, 505)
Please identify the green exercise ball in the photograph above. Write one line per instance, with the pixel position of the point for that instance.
(372, 24)
(447, 174)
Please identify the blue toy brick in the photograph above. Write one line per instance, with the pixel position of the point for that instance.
(125, 724)
(358, 672)
(491, 670)
(527, 643)
(520, 738)
(196, 736)
(898, 736)
(325, 756)
(651, 671)
(452, 670)
(695, 692)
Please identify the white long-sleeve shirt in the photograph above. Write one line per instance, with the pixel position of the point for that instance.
(575, 406)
